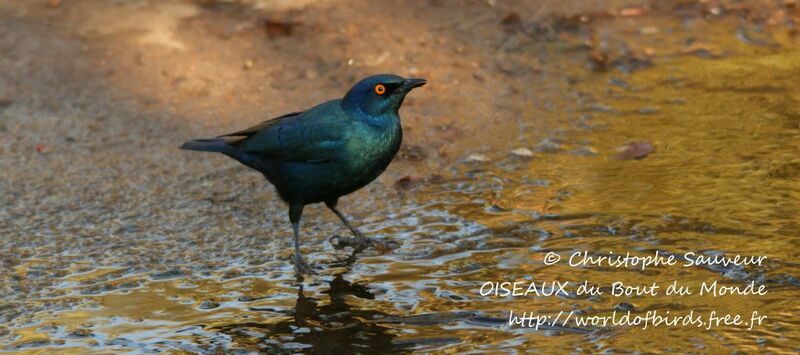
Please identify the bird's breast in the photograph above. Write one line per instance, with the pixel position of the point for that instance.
(371, 149)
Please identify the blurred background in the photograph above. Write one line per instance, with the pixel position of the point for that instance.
(546, 126)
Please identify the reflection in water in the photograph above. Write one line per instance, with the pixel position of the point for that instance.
(334, 327)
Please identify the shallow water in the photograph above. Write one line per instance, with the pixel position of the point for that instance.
(187, 263)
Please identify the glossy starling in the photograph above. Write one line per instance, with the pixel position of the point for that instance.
(326, 152)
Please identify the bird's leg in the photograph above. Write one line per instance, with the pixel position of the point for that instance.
(360, 241)
(300, 267)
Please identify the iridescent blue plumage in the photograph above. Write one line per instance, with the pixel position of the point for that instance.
(326, 152)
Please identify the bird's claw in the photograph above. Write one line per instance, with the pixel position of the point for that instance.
(380, 246)
(301, 267)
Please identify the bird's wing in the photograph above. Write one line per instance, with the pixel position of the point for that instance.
(313, 136)
(255, 129)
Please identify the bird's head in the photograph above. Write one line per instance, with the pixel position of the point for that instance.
(379, 94)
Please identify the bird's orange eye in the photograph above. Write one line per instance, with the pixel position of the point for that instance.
(380, 89)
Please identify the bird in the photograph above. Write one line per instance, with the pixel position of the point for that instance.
(323, 153)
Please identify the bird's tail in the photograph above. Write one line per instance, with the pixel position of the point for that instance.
(219, 145)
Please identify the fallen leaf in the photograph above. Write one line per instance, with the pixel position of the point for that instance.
(408, 182)
(276, 29)
(511, 19)
(634, 151)
(632, 11)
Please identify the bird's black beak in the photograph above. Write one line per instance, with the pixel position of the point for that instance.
(411, 83)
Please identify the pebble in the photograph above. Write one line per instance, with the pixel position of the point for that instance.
(585, 151)
(549, 146)
(477, 158)
(624, 307)
(522, 152)
(207, 304)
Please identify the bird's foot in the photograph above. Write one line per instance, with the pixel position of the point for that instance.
(301, 267)
(358, 243)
